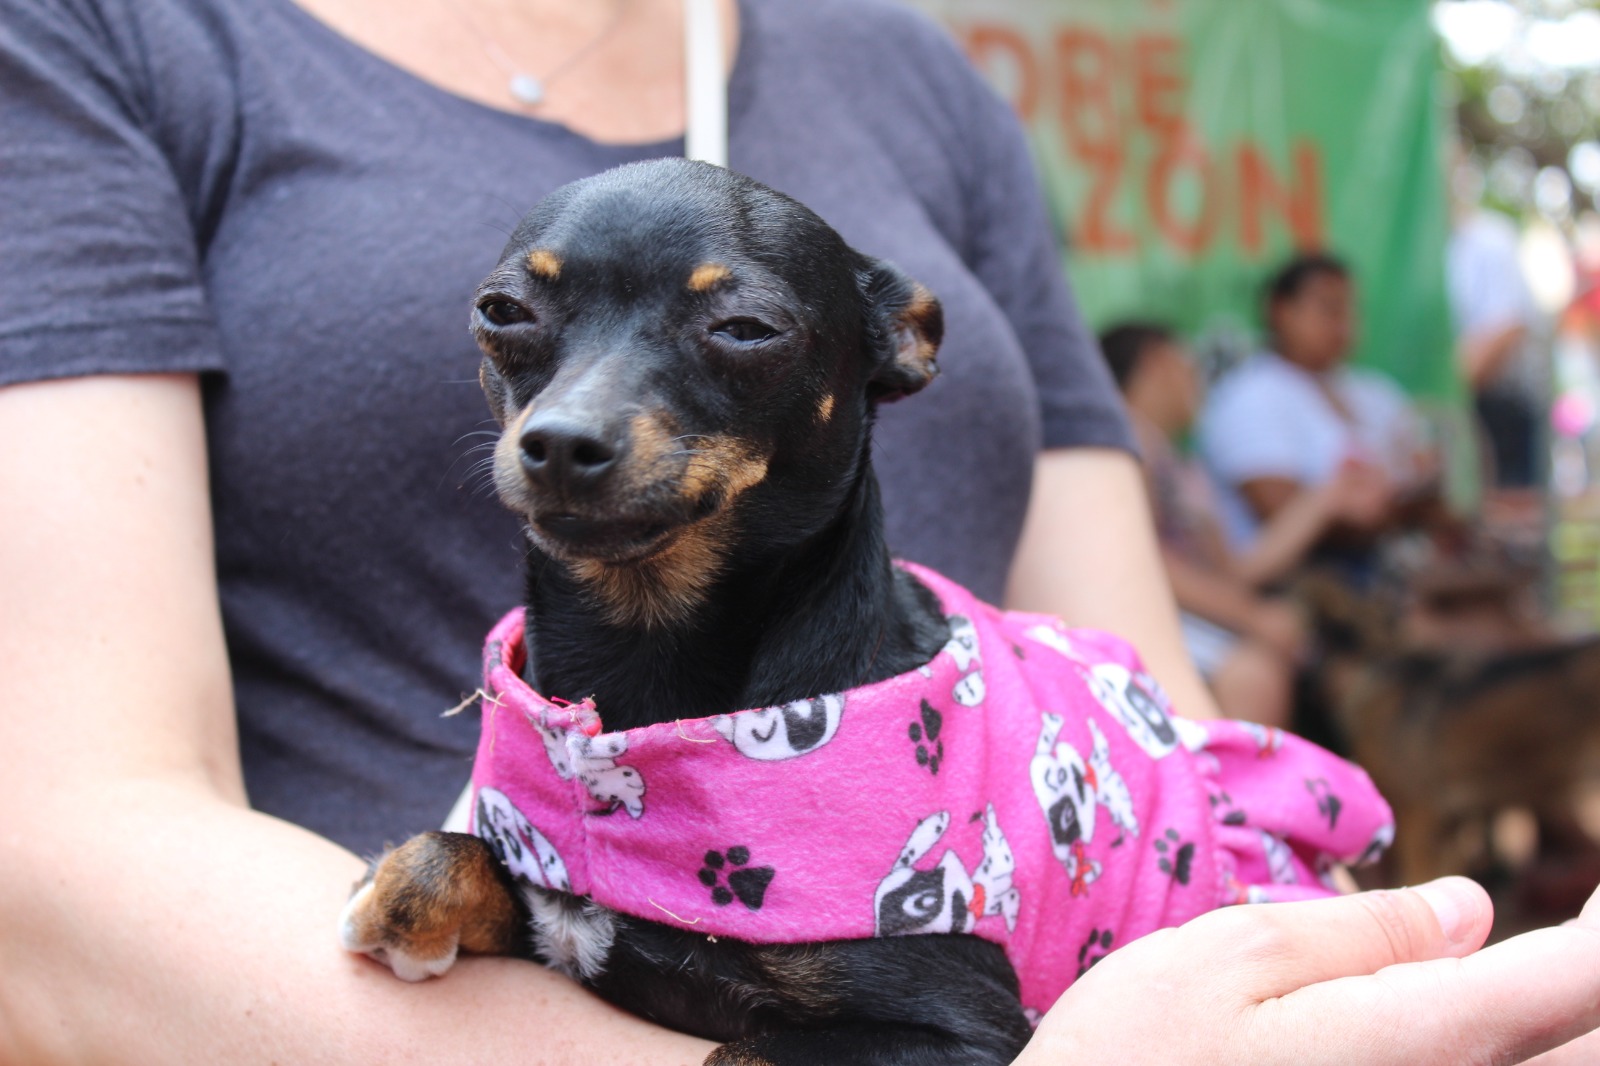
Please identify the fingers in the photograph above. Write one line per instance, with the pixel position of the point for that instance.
(1286, 946)
(1584, 1051)
(1524, 996)
(1379, 978)
(1544, 986)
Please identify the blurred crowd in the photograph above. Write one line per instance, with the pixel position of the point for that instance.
(1328, 583)
(1298, 462)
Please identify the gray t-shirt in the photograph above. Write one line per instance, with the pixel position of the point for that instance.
(230, 187)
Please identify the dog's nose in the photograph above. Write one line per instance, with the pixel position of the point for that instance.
(561, 453)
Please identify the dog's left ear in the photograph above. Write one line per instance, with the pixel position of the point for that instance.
(906, 325)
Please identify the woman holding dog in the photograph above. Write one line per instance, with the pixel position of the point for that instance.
(241, 240)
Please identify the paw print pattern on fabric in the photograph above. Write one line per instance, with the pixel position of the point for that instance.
(925, 735)
(1177, 856)
(1231, 815)
(1328, 804)
(745, 883)
(1097, 947)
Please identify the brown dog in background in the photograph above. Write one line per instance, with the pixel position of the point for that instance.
(1460, 709)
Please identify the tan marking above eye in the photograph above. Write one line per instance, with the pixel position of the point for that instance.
(707, 275)
(825, 408)
(922, 304)
(545, 263)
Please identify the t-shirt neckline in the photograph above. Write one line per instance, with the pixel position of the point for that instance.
(738, 78)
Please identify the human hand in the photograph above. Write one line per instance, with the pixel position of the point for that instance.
(1359, 494)
(1380, 978)
(1427, 469)
(1278, 625)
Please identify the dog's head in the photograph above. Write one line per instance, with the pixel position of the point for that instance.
(680, 357)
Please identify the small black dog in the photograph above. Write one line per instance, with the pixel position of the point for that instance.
(685, 365)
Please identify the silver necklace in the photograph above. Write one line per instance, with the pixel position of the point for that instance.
(527, 89)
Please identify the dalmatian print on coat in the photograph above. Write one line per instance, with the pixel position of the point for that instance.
(1006, 789)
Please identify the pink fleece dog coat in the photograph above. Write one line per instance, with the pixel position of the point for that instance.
(1028, 785)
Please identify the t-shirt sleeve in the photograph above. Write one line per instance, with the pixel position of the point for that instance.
(1388, 408)
(1487, 289)
(1015, 254)
(1249, 431)
(101, 272)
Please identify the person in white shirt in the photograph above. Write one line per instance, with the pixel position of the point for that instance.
(1290, 419)
(1245, 642)
(1495, 317)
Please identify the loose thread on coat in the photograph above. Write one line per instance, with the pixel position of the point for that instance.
(669, 914)
(464, 704)
(683, 736)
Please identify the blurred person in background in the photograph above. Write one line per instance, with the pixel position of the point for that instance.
(1294, 417)
(1245, 643)
(1495, 318)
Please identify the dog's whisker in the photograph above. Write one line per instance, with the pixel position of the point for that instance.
(476, 472)
(493, 434)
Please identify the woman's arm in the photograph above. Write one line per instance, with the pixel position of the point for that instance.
(1234, 605)
(147, 914)
(1286, 540)
(1357, 497)
(1484, 354)
(1351, 508)
(1217, 597)
(1088, 553)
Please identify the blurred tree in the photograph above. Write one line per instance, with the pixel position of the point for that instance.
(1526, 77)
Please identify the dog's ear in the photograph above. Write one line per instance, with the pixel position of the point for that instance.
(905, 326)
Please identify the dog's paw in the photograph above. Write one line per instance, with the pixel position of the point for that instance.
(366, 928)
(427, 900)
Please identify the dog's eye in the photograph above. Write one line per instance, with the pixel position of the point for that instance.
(504, 312)
(744, 330)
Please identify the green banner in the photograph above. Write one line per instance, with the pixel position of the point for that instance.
(1187, 146)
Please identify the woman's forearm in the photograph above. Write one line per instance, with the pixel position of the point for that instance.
(146, 914)
(149, 922)
(1088, 553)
